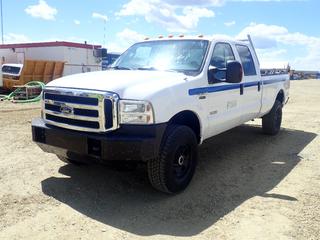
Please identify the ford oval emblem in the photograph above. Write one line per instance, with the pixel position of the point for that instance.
(66, 109)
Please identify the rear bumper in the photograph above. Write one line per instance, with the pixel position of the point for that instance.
(129, 142)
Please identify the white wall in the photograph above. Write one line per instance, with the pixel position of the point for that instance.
(80, 60)
(77, 60)
(1, 80)
(7, 55)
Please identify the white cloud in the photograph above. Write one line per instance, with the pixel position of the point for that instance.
(272, 58)
(176, 15)
(275, 53)
(275, 45)
(15, 38)
(195, 2)
(229, 24)
(129, 36)
(100, 16)
(272, 35)
(124, 39)
(42, 10)
(264, 35)
(165, 13)
(76, 22)
(221, 37)
(263, 30)
(192, 15)
(266, 0)
(270, 38)
(311, 61)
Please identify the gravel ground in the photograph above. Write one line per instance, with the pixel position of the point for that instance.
(247, 185)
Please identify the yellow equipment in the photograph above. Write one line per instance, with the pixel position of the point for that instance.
(32, 70)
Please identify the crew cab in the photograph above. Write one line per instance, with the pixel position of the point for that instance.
(158, 102)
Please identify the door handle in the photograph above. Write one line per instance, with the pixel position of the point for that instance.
(241, 89)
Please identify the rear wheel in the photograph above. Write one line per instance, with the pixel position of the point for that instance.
(271, 122)
(173, 169)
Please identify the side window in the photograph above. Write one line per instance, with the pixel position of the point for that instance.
(249, 68)
(222, 53)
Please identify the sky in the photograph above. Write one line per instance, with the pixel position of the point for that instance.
(283, 31)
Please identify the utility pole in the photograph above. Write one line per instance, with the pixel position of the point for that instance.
(104, 32)
(1, 24)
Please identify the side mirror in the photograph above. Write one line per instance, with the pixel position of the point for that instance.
(234, 72)
(231, 74)
(211, 74)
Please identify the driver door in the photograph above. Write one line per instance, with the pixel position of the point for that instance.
(223, 99)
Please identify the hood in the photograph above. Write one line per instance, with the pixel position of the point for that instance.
(130, 84)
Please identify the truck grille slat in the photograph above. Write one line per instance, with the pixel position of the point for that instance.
(72, 99)
(76, 111)
(82, 110)
(74, 105)
(75, 122)
(91, 119)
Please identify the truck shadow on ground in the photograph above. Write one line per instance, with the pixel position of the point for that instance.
(233, 167)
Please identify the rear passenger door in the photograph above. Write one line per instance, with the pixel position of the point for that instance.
(250, 88)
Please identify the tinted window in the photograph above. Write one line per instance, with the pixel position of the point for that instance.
(10, 69)
(222, 53)
(246, 60)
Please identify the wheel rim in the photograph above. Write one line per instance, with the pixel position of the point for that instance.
(182, 162)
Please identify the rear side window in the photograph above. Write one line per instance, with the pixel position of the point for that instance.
(249, 68)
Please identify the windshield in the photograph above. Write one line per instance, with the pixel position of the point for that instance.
(170, 55)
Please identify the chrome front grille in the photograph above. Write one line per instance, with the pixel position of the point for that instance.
(83, 110)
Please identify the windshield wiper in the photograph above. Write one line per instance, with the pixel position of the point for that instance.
(147, 68)
(156, 69)
(121, 68)
(173, 70)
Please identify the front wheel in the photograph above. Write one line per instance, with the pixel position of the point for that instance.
(173, 169)
(271, 122)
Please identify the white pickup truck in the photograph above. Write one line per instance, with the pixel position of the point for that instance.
(159, 101)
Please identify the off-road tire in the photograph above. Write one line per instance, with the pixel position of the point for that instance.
(173, 169)
(271, 122)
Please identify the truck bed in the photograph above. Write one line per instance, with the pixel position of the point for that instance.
(274, 74)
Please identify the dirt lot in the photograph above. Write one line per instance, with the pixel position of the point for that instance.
(247, 185)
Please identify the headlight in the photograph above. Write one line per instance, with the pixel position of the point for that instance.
(136, 112)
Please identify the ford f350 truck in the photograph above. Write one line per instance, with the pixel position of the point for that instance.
(159, 101)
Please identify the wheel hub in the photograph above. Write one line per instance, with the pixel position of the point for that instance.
(181, 160)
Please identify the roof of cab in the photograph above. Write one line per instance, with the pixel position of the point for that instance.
(200, 37)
